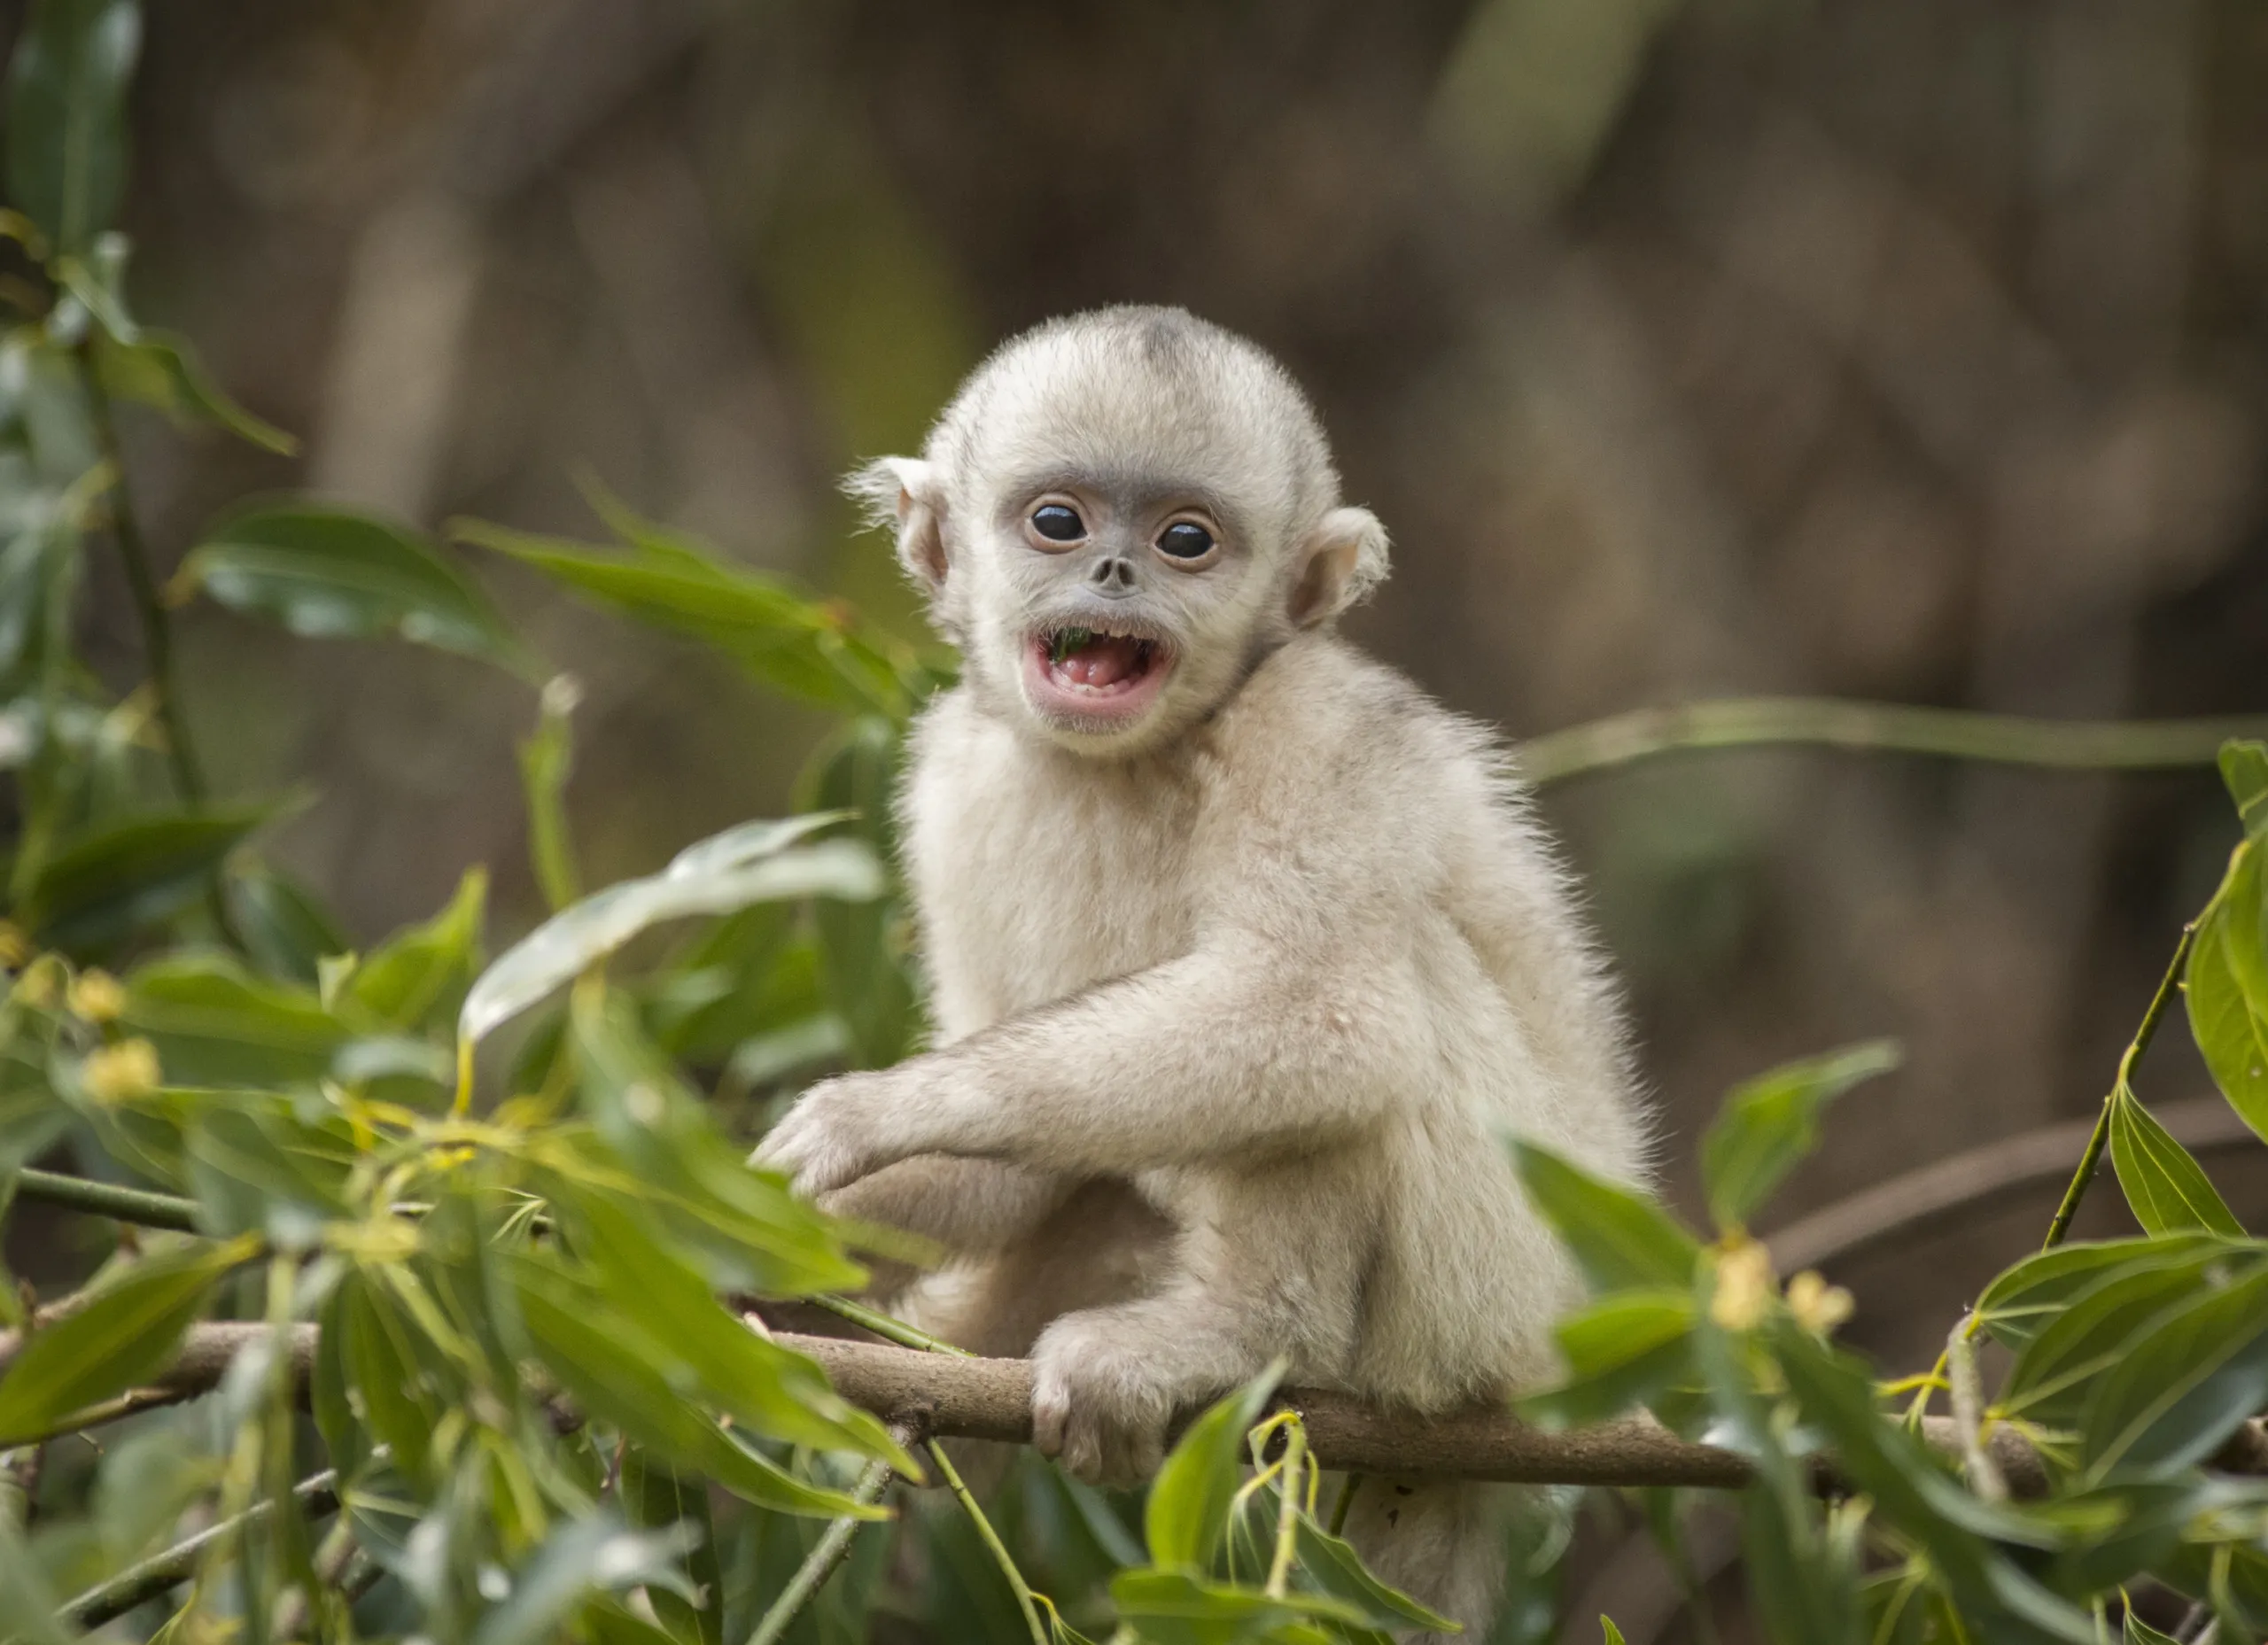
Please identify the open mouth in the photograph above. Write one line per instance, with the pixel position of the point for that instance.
(1095, 674)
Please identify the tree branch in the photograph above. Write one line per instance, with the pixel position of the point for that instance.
(1890, 727)
(979, 1399)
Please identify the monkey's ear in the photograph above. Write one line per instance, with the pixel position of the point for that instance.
(1339, 561)
(904, 492)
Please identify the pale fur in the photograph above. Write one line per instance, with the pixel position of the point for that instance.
(1235, 1010)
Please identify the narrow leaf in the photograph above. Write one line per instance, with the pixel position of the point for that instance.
(121, 877)
(2227, 989)
(160, 370)
(581, 935)
(2185, 1385)
(329, 573)
(1769, 1124)
(122, 1337)
(1621, 1239)
(2168, 1190)
(2244, 767)
(66, 115)
(1188, 1507)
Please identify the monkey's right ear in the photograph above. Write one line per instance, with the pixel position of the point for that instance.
(904, 492)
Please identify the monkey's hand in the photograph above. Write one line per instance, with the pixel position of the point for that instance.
(837, 1132)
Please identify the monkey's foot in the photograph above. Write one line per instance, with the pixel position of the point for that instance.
(1101, 1401)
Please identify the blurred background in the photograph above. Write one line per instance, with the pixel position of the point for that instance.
(1912, 351)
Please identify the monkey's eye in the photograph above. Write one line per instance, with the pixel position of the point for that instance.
(1186, 539)
(1057, 523)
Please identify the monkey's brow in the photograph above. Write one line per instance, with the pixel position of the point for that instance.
(1128, 486)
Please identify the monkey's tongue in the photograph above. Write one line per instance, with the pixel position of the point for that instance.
(1104, 661)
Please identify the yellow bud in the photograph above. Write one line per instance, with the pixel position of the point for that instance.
(121, 1072)
(1819, 1308)
(98, 997)
(1746, 1287)
(14, 947)
(36, 990)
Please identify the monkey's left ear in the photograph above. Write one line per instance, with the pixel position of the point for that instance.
(902, 491)
(1339, 561)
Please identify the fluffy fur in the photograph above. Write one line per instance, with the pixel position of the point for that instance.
(1234, 1005)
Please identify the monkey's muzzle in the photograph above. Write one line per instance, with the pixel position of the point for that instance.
(1095, 675)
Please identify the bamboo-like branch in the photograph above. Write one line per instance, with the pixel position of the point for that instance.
(138, 1206)
(1881, 727)
(834, 1545)
(149, 604)
(2090, 1156)
(137, 1585)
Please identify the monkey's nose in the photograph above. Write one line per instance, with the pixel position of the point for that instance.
(1113, 576)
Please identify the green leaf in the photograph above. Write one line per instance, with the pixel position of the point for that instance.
(2137, 1631)
(1621, 1239)
(620, 1376)
(764, 1387)
(159, 369)
(1188, 1507)
(119, 878)
(650, 1135)
(1768, 1125)
(1912, 1493)
(1620, 1352)
(749, 864)
(123, 1337)
(657, 1497)
(808, 648)
(2184, 1384)
(2227, 989)
(584, 1556)
(1610, 1635)
(327, 573)
(2244, 767)
(2051, 1377)
(257, 1169)
(66, 115)
(1178, 1607)
(214, 1024)
(418, 977)
(544, 760)
(27, 1604)
(1332, 1564)
(2032, 1294)
(285, 927)
(867, 969)
(2168, 1192)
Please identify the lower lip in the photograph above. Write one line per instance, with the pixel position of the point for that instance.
(1082, 706)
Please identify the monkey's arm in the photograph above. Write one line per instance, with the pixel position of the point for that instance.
(1237, 1048)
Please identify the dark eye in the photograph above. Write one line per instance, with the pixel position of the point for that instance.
(1058, 524)
(1186, 539)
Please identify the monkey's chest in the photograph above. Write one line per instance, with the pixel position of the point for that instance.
(1027, 897)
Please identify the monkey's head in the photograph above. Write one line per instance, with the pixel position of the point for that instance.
(1117, 516)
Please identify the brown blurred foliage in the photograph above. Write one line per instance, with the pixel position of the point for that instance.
(1916, 351)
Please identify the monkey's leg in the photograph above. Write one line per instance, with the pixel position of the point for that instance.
(1270, 1263)
(969, 1207)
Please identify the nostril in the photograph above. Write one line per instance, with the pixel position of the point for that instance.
(1114, 575)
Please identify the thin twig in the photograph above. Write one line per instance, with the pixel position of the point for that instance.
(138, 1206)
(137, 1585)
(991, 1539)
(1828, 722)
(833, 1547)
(887, 1329)
(149, 605)
(2093, 1155)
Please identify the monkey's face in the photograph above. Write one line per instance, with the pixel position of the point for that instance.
(1116, 517)
(1118, 614)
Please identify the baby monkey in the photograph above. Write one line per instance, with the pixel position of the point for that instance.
(1244, 954)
